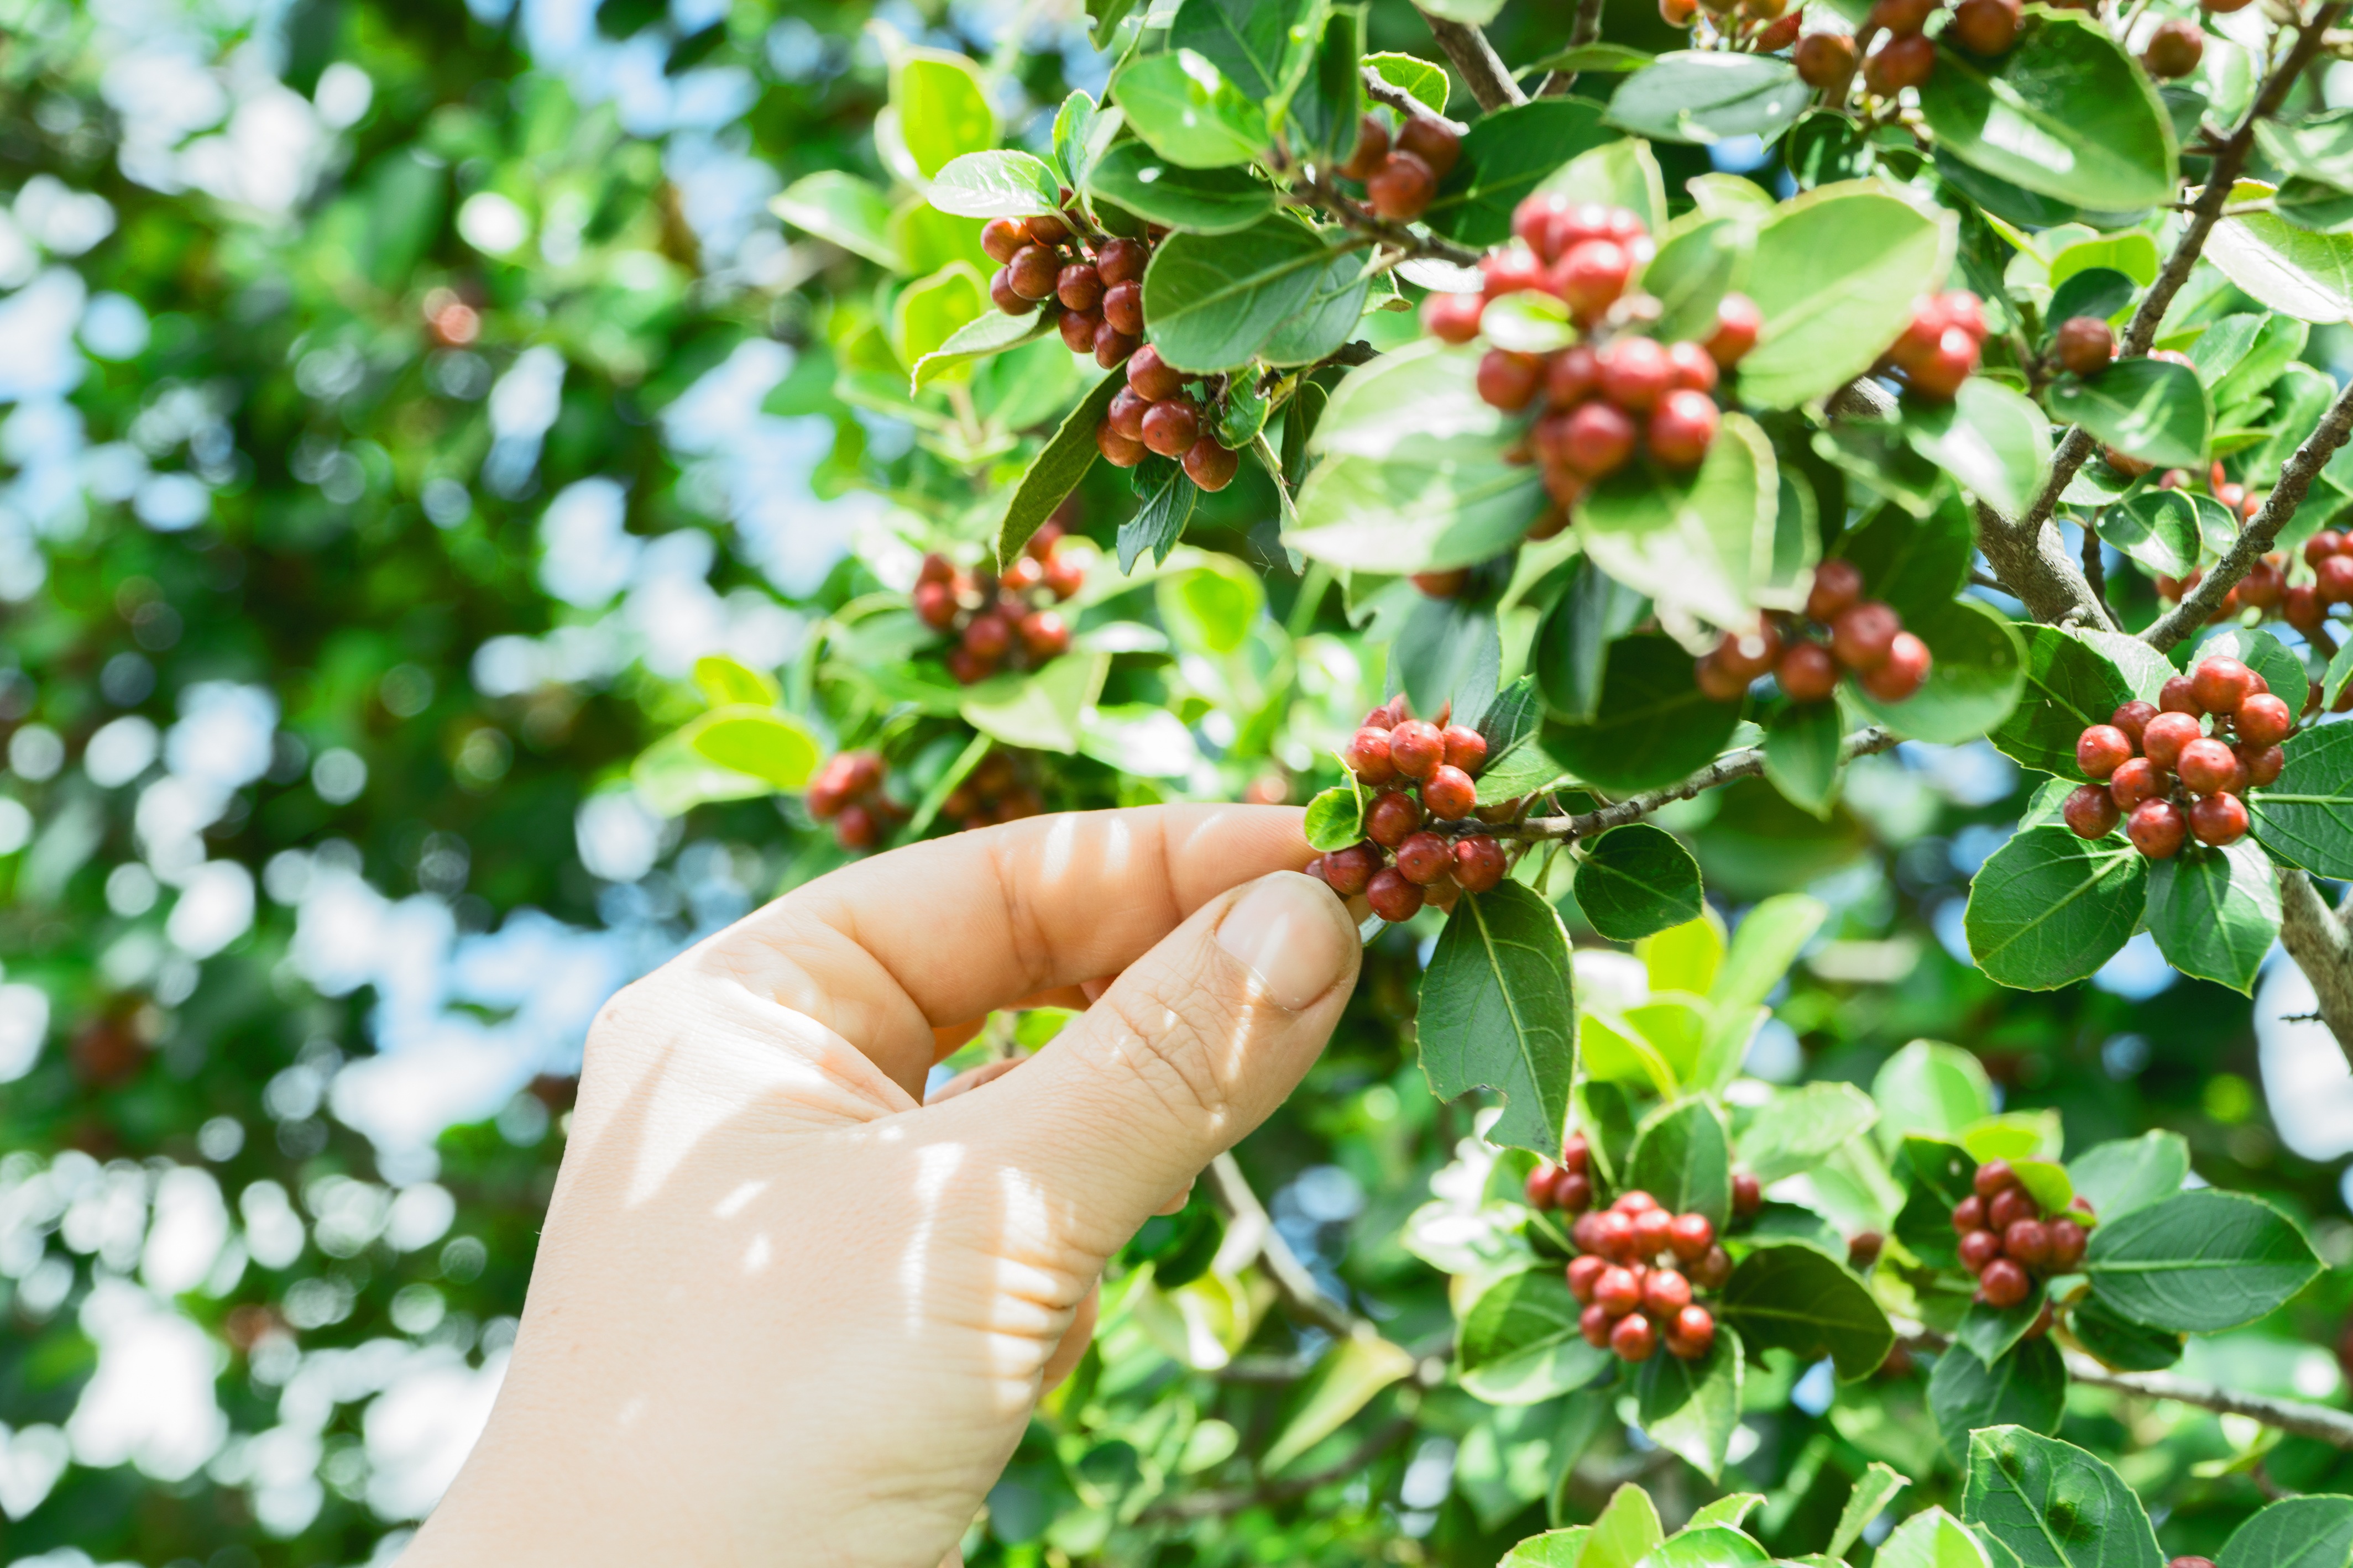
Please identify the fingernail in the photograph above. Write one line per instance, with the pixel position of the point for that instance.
(1293, 934)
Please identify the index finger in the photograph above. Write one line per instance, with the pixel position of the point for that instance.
(883, 951)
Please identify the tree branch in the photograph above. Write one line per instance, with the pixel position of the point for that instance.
(1476, 62)
(1317, 182)
(1745, 763)
(1380, 89)
(2296, 475)
(1585, 30)
(2316, 937)
(1293, 1282)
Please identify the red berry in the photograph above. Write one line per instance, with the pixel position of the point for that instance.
(2175, 696)
(1691, 368)
(1986, 26)
(2027, 1242)
(2206, 765)
(857, 829)
(2163, 738)
(1349, 870)
(1838, 585)
(1538, 1188)
(1045, 633)
(1749, 653)
(1977, 1248)
(2174, 50)
(1747, 1194)
(1651, 1228)
(1594, 1324)
(1112, 346)
(1393, 817)
(1683, 428)
(1968, 1214)
(2262, 763)
(1635, 1201)
(1465, 747)
(1170, 425)
(1738, 323)
(1001, 237)
(1151, 376)
(1717, 681)
(2091, 811)
(1618, 1290)
(2007, 1206)
(2003, 1283)
(2219, 819)
(1899, 63)
(1433, 143)
(1992, 1178)
(1582, 1272)
(2067, 1242)
(1368, 756)
(1901, 16)
(1691, 1333)
(1450, 793)
(989, 635)
(935, 606)
(1417, 749)
(1711, 1272)
(1478, 864)
(1903, 674)
(2101, 750)
(1122, 261)
(1824, 59)
(1392, 897)
(2157, 828)
(1633, 1338)
(1595, 438)
(1002, 295)
(2133, 718)
(1613, 1235)
(1452, 318)
(2221, 685)
(1079, 286)
(2084, 344)
(1424, 858)
(1807, 672)
(1591, 277)
(1666, 1293)
(1576, 1153)
(1209, 465)
(1078, 329)
(1123, 307)
(2333, 579)
(1402, 188)
(1033, 271)
(1571, 376)
(1863, 1248)
(1573, 1190)
(1940, 375)
(1862, 635)
(1635, 372)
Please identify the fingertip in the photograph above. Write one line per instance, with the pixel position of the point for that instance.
(1294, 935)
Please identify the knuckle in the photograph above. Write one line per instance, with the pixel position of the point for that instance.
(1171, 1038)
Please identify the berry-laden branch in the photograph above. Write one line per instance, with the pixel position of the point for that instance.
(2316, 937)
(1746, 762)
(1318, 183)
(1475, 60)
(2295, 478)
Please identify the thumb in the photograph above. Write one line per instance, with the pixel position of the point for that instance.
(1192, 1046)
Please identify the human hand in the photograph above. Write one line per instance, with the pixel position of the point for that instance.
(782, 1313)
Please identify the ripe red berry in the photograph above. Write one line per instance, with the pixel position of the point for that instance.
(1417, 749)
(1862, 635)
(1595, 439)
(1153, 380)
(1079, 328)
(1576, 1153)
(2262, 763)
(1450, 793)
(2084, 344)
(1478, 864)
(1170, 425)
(1392, 817)
(1940, 375)
(1045, 633)
(2003, 1283)
(1993, 1177)
(1716, 680)
(1452, 318)
(1977, 1248)
(2157, 828)
(1825, 60)
(1749, 653)
(1903, 673)
(1863, 1248)
(855, 829)
(2007, 1206)
(1618, 1290)
(1001, 237)
(1747, 1194)
(1986, 26)
(1123, 307)
(1368, 756)
(1116, 448)
(2333, 579)
(1392, 897)
(1738, 323)
(1613, 1235)
(1538, 1188)
(1594, 1324)
(1633, 1338)
(1968, 1214)
(1033, 271)
(1838, 585)
(1683, 428)
(2219, 819)
(2177, 697)
(1372, 148)
(989, 636)
(1690, 367)
(1666, 1293)
(1901, 16)
(1591, 277)
(1509, 380)
(1689, 1236)
(2174, 50)
(2101, 750)
(1209, 465)
(1899, 63)
(2067, 1243)
(1349, 870)
(2301, 608)
(1001, 295)
(2132, 718)
(2027, 1242)
(1711, 1272)
(1651, 1228)
(1465, 747)
(1635, 1201)
(1122, 261)
(2323, 545)
(1079, 286)
(1692, 1335)
(2206, 765)
(1583, 1271)
(2091, 811)
(2163, 738)
(2222, 684)
(1112, 346)
(1573, 1191)
(1433, 143)
(1424, 858)
(1634, 373)
(1402, 188)
(935, 606)
(1807, 672)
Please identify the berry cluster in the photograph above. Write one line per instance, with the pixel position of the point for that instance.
(2165, 776)
(1005, 620)
(1860, 637)
(996, 791)
(1905, 57)
(1753, 26)
(1400, 173)
(1940, 347)
(848, 793)
(2007, 1240)
(1615, 391)
(1424, 773)
(2265, 588)
(1637, 1268)
(1096, 286)
(1154, 412)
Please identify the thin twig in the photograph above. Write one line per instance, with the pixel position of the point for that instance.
(1293, 1282)
(2198, 604)
(1746, 762)
(1380, 89)
(1476, 62)
(1585, 30)
(1317, 182)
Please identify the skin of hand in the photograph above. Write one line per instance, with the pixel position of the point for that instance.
(782, 1313)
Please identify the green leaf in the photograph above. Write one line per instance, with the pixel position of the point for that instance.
(1708, 97)
(1930, 1539)
(1596, 56)
(1517, 763)
(2048, 908)
(1203, 201)
(2305, 815)
(1425, 79)
(2304, 275)
(2026, 1388)
(2151, 409)
(1619, 174)
(2132, 253)
(1637, 880)
(1082, 131)
(1247, 39)
(1938, 1174)
(1794, 1298)
(1448, 652)
(996, 184)
(1797, 1129)
(759, 740)
(2295, 1533)
(929, 311)
(938, 109)
(1835, 275)
(1729, 1510)
(1211, 606)
(1801, 754)
(1653, 725)
(2052, 1505)
(1973, 684)
(2119, 1342)
(2128, 1173)
(2157, 527)
(1336, 819)
(2065, 113)
(1692, 272)
(1771, 937)
(1328, 318)
(1625, 1533)
(2339, 676)
(1167, 494)
(991, 332)
(1682, 1157)
(2070, 686)
(1432, 503)
(2199, 1261)
(1138, 737)
(1042, 711)
(1504, 157)
(673, 778)
(1344, 1381)
(1497, 1013)
(1930, 1087)
(1869, 1500)
(1990, 438)
(1056, 470)
(2216, 912)
(844, 209)
(1700, 544)
(1915, 564)
(724, 682)
(1213, 300)
(1573, 639)
(1185, 107)
(1991, 1332)
(1519, 1343)
(2318, 146)
(2099, 292)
